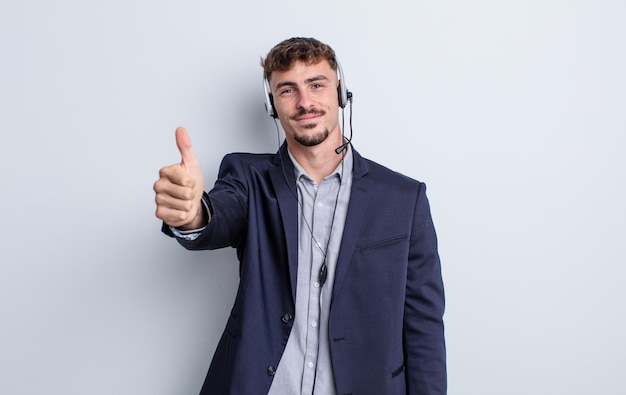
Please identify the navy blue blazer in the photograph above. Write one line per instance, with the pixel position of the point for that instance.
(385, 324)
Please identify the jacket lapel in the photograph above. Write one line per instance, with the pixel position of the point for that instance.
(284, 182)
(359, 199)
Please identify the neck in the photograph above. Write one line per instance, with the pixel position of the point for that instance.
(318, 161)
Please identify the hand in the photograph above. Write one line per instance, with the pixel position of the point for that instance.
(179, 189)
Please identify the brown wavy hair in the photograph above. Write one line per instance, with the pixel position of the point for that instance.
(286, 53)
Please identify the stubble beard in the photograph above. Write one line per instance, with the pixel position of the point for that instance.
(311, 140)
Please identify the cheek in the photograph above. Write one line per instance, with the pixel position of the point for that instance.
(332, 102)
(283, 106)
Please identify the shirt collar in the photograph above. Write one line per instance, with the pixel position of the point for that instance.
(344, 166)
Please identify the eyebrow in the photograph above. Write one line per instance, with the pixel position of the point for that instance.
(307, 81)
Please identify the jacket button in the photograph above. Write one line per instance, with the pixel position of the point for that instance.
(286, 318)
(271, 370)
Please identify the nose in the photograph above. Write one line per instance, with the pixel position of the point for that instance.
(304, 100)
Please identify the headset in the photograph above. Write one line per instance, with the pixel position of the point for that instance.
(344, 95)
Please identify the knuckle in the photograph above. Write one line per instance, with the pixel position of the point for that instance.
(182, 215)
(163, 172)
(188, 194)
(187, 205)
(159, 213)
(158, 198)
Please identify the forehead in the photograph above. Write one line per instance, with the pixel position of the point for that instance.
(300, 72)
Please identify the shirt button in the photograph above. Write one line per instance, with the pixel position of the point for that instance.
(313, 324)
(316, 284)
(286, 318)
(320, 204)
(271, 370)
(310, 364)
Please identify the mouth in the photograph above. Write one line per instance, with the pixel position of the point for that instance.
(307, 116)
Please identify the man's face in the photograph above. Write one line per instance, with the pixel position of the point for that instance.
(306, 100)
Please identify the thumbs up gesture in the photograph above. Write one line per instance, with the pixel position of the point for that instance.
(179, 189)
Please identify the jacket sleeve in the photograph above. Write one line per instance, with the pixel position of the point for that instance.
(424, 344)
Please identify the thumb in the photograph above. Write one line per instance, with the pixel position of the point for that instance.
(184, 146)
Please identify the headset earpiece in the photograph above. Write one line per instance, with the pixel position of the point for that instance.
(269, 99)
(343, 94)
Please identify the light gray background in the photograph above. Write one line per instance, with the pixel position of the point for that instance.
(512, 112)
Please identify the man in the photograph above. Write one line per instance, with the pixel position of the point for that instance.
(340, 282)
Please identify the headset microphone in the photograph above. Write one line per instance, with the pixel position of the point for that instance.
(342, 147)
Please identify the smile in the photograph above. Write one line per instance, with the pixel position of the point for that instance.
(307, 116)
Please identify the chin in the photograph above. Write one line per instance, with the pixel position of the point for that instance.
(312, 139)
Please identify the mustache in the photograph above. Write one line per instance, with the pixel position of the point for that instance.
(303, 112)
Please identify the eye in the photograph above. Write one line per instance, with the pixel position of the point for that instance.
(286, 91)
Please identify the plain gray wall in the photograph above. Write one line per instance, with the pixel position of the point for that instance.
(512, 112)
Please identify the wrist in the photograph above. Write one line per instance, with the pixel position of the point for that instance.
(199, 221)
